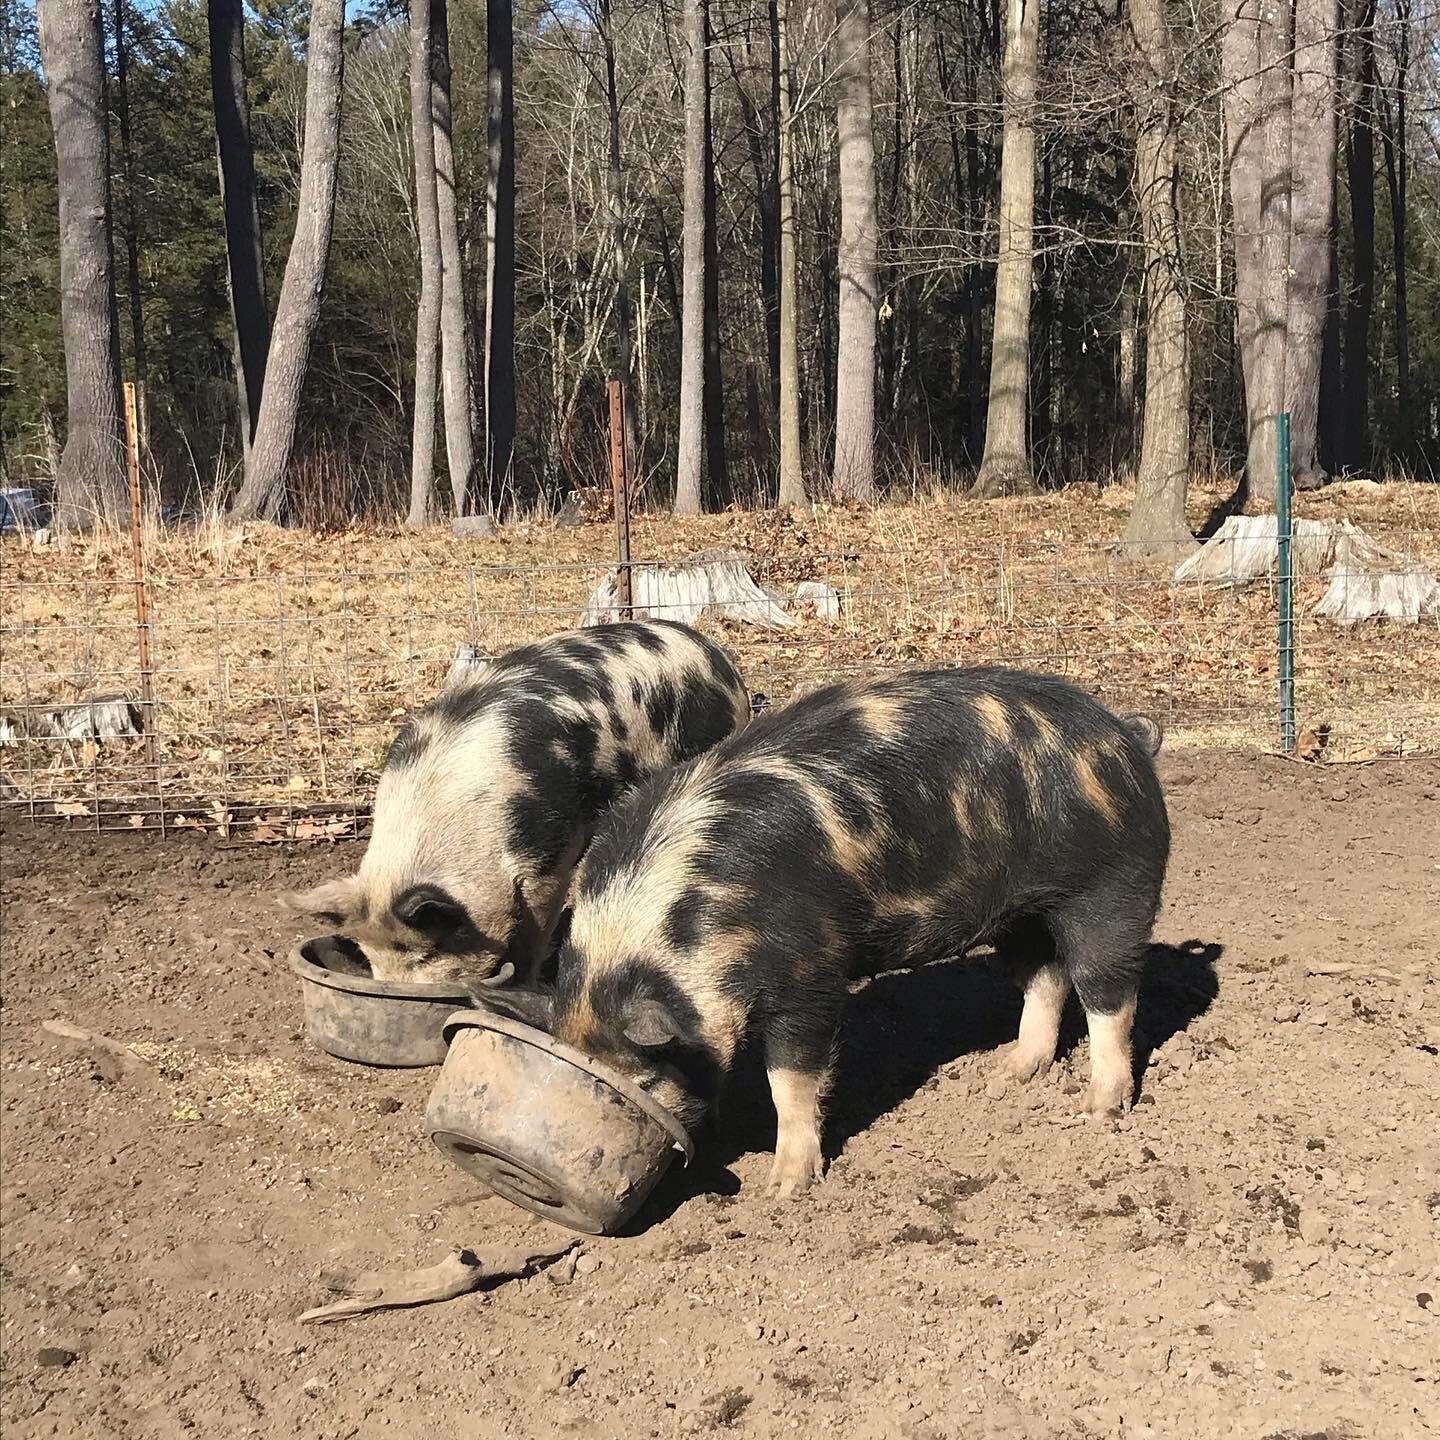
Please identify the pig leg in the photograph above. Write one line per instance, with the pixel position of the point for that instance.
(1028, 950)
(1112, 1078)
(1102, 943)
(799, 1053)
(1046, 990)
(798, 1159)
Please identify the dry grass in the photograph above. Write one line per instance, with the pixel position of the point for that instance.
(283, 660)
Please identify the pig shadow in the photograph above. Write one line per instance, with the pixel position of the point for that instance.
(901, 1029)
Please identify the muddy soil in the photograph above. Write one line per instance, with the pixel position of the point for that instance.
(1253, 1252)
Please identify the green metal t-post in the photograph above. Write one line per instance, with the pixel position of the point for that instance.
(1285, 582)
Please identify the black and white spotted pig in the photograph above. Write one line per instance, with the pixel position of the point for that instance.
(489, 795)
(864, 827)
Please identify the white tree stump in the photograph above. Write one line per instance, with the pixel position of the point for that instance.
(1370, 582)
(1245, 548)
(825, 598)
(101, 718)
(715, 582)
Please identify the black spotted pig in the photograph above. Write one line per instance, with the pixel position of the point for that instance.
(864, 827)
(490, 793)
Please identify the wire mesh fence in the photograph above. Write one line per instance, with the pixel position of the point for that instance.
(275, 697)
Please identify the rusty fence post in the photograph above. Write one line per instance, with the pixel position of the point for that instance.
(142, 592)
(620, 486)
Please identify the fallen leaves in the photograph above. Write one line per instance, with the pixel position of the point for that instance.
(273, 829)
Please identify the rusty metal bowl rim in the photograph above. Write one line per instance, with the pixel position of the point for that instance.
(479, 1019)
(302, 966)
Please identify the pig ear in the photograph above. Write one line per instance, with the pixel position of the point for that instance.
(336, 902)
(1146, 730)
(430, 910)
(535, 1008)
(650, 1025)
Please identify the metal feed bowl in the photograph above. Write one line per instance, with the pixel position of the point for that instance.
(548, 1127)
(351, 1014)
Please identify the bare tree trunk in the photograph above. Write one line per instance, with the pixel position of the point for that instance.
(1360, 298)
(792, 483)
(1395, 141)
(1005, 468)
(1312, 218)
(715, 468)
(966, 180)
(1332, 380)
(90, 487)
(427, 224)
(1046, 440)
(689, 460)
(236, 158)
(770, 220)
(974, 279)
(454, 316)
(887, 280)
(1255, 61)
(263, 493)
(644, 305)
(127, 170)
(1126, 387)
(854, 474)
(1244, 157)
(1157, 522)
(762, 140)
(910, 371)
(619, 246)
(500, 253)
(667, 273)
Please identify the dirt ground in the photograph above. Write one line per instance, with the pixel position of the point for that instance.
(1252, 1253)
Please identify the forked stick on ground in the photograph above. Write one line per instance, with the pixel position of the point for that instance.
(460, 1272)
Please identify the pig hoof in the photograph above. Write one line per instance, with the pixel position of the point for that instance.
(792, 1174)
(1024, 1065)
(1106, 1102)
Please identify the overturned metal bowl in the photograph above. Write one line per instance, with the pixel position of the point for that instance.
(547, 1126)
(351, 1014)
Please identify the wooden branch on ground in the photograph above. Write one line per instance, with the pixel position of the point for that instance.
(460, 1272)
(112, 1059)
